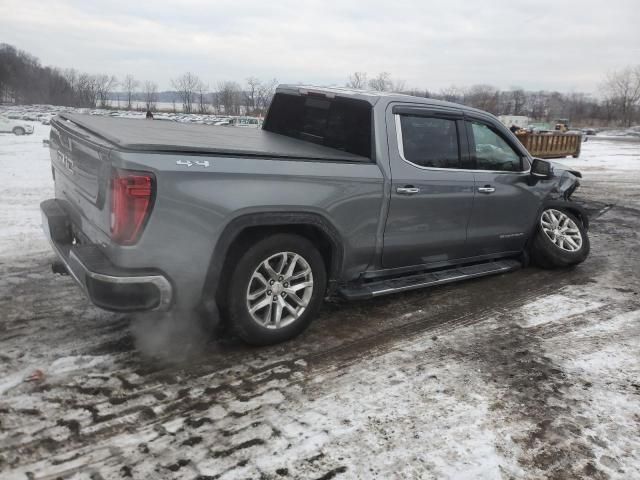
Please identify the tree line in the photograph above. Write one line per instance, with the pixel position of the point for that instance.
(618, 102)
(228, 97)
(23, 80)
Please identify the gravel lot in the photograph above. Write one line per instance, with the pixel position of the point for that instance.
(532, 374)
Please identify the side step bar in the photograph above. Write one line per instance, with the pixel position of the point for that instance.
(412, 282)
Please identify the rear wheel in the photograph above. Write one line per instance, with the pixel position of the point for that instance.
(276, 289)
(19, 131)
(561, 240)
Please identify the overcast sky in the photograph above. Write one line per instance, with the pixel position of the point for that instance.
(563, 45)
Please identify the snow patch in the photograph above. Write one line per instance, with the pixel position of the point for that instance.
(553, 308)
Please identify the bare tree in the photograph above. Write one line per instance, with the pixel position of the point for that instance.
(538, 105)
(452, 94)
(622, 88)
(229, 97)
(251, 94)
(382, 82)
(265, 94)
(186, 86)
(87, 90)
(398, 86)
(150, 95)
(519, 99)
(484, 97)
(104, 86)
(202, 97)
(130, 85)
(357, 80)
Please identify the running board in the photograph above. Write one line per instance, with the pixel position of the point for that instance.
(412, 282)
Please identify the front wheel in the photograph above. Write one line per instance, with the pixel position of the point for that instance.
(18, 131)
(276, 289)
(561, 240)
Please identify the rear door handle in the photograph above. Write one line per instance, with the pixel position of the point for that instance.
(408, 190)
(486, 189)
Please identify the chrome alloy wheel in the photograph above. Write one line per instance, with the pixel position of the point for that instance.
(279, 290)
(561, 230)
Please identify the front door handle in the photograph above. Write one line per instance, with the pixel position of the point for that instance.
(408, 190)
(486, 189)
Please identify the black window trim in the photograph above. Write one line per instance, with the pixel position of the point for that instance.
(463, 119)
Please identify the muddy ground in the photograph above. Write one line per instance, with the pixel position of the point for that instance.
(532, 374)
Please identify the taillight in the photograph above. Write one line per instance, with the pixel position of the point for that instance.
(131, 202)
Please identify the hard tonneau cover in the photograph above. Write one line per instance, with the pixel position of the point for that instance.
(165, 136)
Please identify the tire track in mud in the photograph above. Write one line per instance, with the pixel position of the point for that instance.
(534, 394)
(146, 402)
(241, 385)
(536, 391)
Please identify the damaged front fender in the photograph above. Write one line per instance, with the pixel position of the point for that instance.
(565, 183)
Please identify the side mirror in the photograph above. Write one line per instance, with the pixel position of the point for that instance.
(541, 168)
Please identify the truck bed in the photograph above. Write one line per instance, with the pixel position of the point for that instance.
(164, 136)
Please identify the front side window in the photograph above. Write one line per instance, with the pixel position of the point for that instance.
(430, 141)
(492, 152)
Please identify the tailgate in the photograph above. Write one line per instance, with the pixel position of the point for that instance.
(82, 174)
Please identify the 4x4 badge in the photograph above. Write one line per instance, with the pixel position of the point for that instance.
(197, 163)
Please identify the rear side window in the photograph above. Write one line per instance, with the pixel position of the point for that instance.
(492, 152)
(430, 141)
(343, 124)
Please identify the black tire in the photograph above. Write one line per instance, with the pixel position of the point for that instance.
(546, 254)
(240, 319)
(18, 131)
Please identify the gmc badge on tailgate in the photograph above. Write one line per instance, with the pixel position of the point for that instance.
(65, 160)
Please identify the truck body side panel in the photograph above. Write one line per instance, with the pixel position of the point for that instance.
(194, 204)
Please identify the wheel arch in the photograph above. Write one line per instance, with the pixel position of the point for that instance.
(572, 207)
(559, 204)
(244, 229)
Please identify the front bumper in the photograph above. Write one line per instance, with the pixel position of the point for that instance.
(107, 286)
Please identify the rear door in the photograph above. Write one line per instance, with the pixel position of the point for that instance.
(432, 193)
(505, 205)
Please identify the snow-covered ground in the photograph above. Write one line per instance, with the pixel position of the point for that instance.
(533, 374)
(26, 181)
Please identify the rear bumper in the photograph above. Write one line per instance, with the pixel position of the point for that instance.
(107, 286)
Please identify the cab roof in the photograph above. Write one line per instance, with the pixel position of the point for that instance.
(373, 97)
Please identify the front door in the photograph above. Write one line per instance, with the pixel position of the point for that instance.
(505, 206)
(432, 195)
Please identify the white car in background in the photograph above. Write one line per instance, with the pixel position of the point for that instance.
(16, 127)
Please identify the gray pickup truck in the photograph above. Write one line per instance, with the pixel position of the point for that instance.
(341, 193)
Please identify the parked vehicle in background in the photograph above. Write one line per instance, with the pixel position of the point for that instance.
(561, 125)
(518, 120)
(16, 127)
(341, 193)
